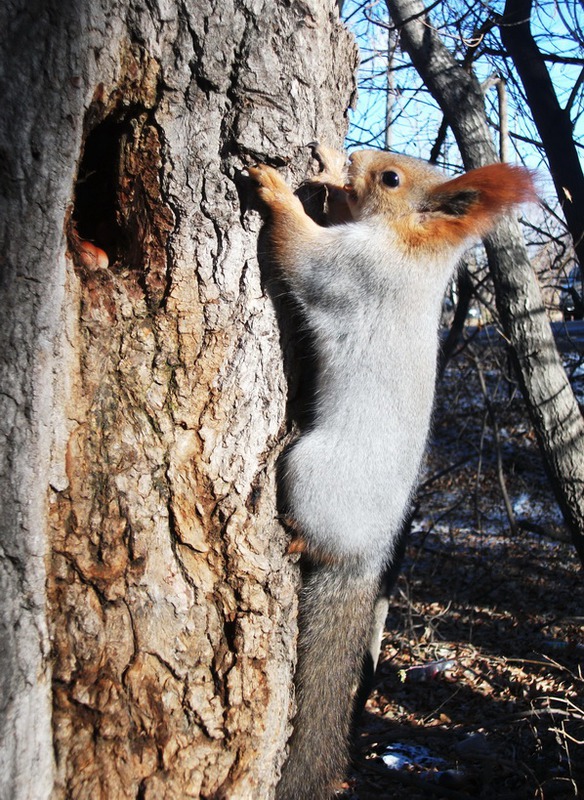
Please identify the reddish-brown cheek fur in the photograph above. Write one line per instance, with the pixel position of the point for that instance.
(432, 234)
(499, 187)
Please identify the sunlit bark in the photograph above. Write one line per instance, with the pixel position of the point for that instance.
(148, 614)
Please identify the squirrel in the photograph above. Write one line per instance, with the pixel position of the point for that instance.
(370, 288)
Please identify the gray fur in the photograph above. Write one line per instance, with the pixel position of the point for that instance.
(349, 479)
(335, 603)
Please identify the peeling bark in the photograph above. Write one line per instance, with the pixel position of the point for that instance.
(148, 636)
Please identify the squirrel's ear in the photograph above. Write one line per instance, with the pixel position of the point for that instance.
(468, 206)
(453, 204)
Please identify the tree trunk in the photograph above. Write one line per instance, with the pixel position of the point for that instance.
(148, 621)
(551, 403)
(553, 122)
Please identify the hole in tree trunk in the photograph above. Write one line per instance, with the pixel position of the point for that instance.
(119, 216)
(95, 211)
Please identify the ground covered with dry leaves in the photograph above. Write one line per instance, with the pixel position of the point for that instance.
(480, 687)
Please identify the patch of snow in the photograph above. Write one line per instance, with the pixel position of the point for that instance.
(526, 507)
(398, 756)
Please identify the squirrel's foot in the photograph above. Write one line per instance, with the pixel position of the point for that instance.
(273, 189)
(297, 545)
(333, 165)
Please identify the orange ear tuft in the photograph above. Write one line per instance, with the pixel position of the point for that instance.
(500, 185)
(473, 201)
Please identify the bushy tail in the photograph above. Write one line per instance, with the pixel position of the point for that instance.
(336, 607)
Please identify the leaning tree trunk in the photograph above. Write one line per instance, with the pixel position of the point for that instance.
(549, 398)
(148, 614)
(553, 122)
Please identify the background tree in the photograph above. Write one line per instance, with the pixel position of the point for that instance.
(554, 123)
(149, 615)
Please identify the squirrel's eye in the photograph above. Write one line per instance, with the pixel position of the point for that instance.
(390, 178)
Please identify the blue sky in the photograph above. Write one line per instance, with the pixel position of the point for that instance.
(556, 27)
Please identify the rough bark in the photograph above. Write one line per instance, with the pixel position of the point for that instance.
(549, 398)
(148, 621)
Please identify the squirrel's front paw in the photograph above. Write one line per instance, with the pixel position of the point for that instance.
(272, 187)
(333, 165)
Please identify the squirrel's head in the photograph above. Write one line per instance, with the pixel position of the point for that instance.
(387, 184)
(429, 209)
